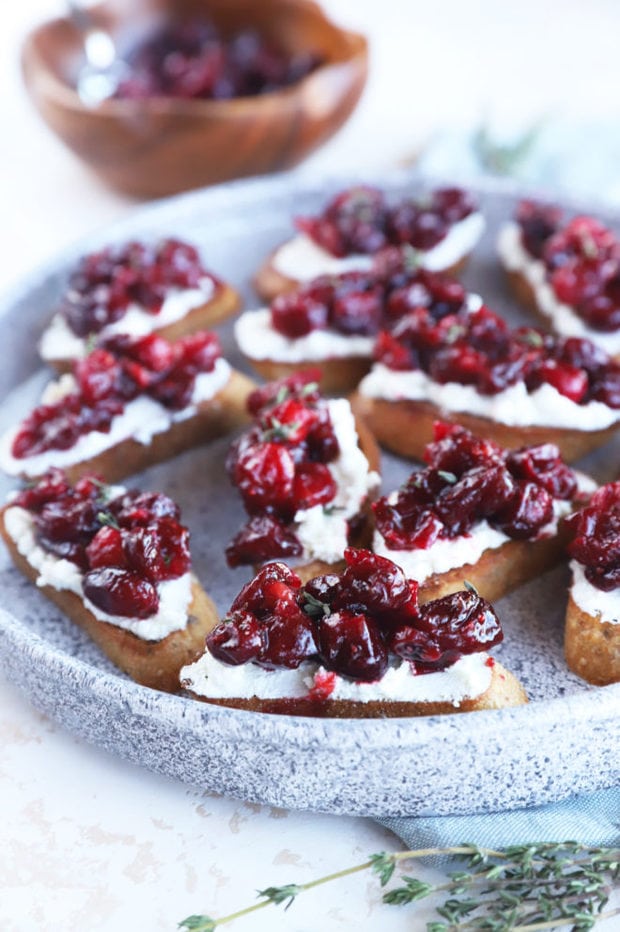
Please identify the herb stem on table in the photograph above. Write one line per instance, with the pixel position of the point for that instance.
(523, 888)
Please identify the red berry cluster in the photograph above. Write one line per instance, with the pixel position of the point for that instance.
(595, 532)
(193, 60)
(363, 303)
(124, 545)
(481, 350)
(362, 220)
(121, 369)
(582, 257)
(104, 284)
(351, 622)
(468, 480)
(280, 465)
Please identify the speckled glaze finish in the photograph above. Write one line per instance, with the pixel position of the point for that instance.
(565, 742)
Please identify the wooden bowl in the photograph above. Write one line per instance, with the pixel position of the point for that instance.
(161, 146)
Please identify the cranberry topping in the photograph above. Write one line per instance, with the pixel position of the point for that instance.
(192, 59)
(595, 537)
(111, 376)
(105, 284)
(365, 303)
(479, 349)
(125, 545)
(350, 623)
(280, 466)
(362, 220)
(582, 260)
(469, 480)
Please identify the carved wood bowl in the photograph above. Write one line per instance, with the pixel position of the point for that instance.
(159, 146)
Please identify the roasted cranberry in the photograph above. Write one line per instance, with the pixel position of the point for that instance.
(323, 444)
(304, 384)
(106, 549)
(134, 508)
(237, 639)
(569, 381)
(252, 596)
(323, 590)
(350, 643)
(543, 465)
(290, 639)
(52, 486)
(371, 583)
(313, 485)
(264, 475)
(482, 492)
(462, 622)
(297, 314)
(595, 533)
(159, 551)
(290, 421)
(420, 649)
(121, 592)
(456, 449)
(538, 222)
(97, 376)
(453, 204)
(262, 538)
(406, 528)
(357, 312)
(352, 222)
(528, 510)
(392, 353)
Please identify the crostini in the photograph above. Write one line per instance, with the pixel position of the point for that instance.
(567, 272)
(477, 512)
(592, 635)
(517, 387)
(354, 645)
(442, 226)
(333, 321)
(130, 403)
(306, 473)
(117, 563)
(136, 289)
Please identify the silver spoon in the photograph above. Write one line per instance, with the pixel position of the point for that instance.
(101, 74)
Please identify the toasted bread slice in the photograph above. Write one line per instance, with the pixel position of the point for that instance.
(224, 302)
(151, 663)
(504, 690)
(222, 413)
(591, 646)
(406, 427)
(269, 282)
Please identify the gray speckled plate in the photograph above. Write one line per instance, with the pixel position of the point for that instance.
(564, 742)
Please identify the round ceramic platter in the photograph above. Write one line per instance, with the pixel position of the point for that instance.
(564, 742)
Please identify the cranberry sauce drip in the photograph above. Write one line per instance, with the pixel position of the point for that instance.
(193, 60)
(124, 545)
(595, 537)
(351, 622)
(582, 258)
(120, 370)
(363, 303)
(469, 480)
(106, 283)
(481, 350)
(280, 465)
(362, 220)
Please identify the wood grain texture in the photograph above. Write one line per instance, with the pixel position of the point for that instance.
(163, 146)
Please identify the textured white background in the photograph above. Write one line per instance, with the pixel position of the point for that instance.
(87, 841)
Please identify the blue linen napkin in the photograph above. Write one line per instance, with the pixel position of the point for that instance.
(593, 819)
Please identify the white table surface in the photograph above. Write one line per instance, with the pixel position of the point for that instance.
(91, 842)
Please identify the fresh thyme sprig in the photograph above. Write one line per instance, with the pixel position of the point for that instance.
(523, 888)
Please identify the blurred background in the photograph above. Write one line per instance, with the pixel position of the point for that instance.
(528, 88)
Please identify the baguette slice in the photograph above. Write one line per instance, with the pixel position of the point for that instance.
(591, 646)
(406, 427)
(504, 690)
(269, 282)
(225, 302)
(151, 663)
(222, 413)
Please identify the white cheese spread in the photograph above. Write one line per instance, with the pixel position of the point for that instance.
(469, 677)
(562, 318)
(602, 605)
(174, 595)
(302, 259)
(58, 341)
(515, 406)
(140, 420)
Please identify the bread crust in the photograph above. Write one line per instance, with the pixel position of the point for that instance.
(504, 690)
(224, 302)
(591, 646)
(406, 427)
(151, 663)
(338, 376)
(219, 415)
(269, 282)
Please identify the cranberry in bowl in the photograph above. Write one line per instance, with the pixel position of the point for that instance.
(158, 145)
(352, 644)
